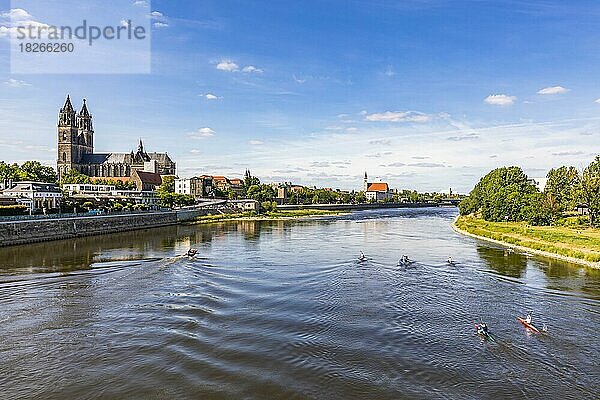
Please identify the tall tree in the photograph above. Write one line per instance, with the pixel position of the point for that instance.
(563, 186)
(503, 194)
(590, 189)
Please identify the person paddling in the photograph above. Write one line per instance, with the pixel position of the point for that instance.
(191, 252)
(362, 256)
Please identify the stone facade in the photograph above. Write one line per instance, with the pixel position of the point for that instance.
(76, 150)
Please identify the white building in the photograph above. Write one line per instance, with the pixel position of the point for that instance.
(37, 195)
(183, 186)
(376, 191)
(109, 192)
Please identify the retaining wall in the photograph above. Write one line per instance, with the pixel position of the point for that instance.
(31, 231)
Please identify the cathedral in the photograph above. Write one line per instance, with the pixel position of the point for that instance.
(76, 150)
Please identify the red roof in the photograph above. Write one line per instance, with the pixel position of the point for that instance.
(377, 187)
(149, 177)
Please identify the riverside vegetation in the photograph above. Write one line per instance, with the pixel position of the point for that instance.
(507, 207)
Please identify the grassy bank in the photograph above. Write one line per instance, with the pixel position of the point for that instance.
(577, 243)
(273, 215)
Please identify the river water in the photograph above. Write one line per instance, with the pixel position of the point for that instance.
(284, 310)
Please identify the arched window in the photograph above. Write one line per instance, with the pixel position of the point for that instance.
(64, 157)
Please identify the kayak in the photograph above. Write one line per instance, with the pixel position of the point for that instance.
(528, 325)
(481, 333)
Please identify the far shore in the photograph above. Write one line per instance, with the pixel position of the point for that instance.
(511, 235)
(274, 216)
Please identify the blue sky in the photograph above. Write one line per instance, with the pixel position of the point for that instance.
(422, 94)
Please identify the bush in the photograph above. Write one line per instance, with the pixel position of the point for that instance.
(16, 209)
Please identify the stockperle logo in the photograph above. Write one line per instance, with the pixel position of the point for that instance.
(82, 36)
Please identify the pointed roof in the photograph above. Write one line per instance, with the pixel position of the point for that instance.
(141, 146)
(84, 111)
(68, 107)
(377, 187)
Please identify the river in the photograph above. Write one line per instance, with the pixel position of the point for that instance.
(284, 310)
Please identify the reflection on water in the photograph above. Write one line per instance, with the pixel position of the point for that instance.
(504, 261)
(283, 309)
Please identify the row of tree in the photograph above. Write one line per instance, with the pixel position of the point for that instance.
(28, 171)
(506, 194)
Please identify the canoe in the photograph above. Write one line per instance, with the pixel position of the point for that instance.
(528, 325)
(486, 335)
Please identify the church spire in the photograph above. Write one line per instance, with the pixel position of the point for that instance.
(84, 110)
(68, 107)
(141, 147)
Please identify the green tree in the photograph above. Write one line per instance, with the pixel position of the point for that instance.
(590, 189)
(35, 171)
(360, 197)
(8, 171)
(504, 193)
(563, 185)
(261, 193)
(167, 186)
(74, 176)
(249, 181)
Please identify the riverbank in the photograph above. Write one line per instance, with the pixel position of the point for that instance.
(275, 215)
(580, 246)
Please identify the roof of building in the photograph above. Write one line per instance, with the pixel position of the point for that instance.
(148, 177)
(377, 187)
(26, 186)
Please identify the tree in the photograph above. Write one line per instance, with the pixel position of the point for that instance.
(563, 185)
(8, 171)
(35, 171)
(167, 186)
(249, 181)
(590, 189)
(503, 194)
(74, 176)
(261, 193)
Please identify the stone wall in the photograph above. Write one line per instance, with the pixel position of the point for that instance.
(31, 231)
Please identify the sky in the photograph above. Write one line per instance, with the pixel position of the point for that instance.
(426, 95)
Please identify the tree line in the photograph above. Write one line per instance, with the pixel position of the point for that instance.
(506, 194)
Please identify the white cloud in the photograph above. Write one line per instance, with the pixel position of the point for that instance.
(227, 65)
(157, 14)
(10, 20)
(210, 96)
(389, 71)
(399, 116)
(195, 151)
(16, 14)
(553, 90)
(159, 25)
(202, 133)
(597, 101)
(140, 3)
(124, 23)
(251, 68)
(15, 83)
(256, 142)
(352, 130)
(500, 100)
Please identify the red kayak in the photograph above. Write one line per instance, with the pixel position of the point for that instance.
(528, 325)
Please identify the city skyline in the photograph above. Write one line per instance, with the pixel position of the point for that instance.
(422, 102)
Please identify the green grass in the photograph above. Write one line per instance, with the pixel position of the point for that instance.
(270, 215)
(581, 243)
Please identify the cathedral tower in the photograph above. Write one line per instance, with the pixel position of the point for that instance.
(67, 139)
(86, 130)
